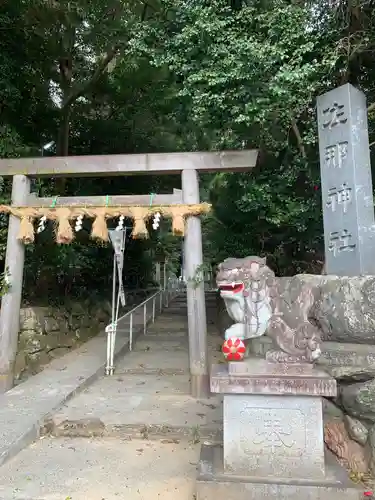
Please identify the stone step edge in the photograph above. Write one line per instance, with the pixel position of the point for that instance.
(152, 371)
(157, 371)
(94, 427)
(170, 349)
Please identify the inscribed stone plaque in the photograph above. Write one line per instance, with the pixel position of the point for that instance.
(268, 436)
(348, 209)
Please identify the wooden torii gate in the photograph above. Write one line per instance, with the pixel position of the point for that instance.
(186, 164)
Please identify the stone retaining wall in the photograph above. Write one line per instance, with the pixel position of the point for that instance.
(50, 332)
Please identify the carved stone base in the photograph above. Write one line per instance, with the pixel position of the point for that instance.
(215, 484)
(273, 436)
(273, 422)
(257, 376)
(273, 445)
(275, 356)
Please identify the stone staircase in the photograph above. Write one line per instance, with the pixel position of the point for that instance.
(150, 391)
(146, 405)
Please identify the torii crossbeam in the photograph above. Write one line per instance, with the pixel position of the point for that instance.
(188, 165)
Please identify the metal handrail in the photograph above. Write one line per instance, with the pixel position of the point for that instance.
(159, 299)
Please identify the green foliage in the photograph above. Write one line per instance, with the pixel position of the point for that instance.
(180, 75)
(77, 55)
(249, 77)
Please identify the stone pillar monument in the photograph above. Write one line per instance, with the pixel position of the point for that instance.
(348, 206)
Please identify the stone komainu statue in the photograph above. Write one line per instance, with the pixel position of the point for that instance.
(258, 306)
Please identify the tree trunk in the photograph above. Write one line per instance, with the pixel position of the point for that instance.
(64, 131)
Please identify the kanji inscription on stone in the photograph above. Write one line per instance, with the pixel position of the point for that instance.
(341, 241)
(340, 197)
(273, 435)
(348, 208)
(334, 115)
(336, 154)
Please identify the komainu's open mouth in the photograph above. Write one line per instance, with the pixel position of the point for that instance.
(232, 288)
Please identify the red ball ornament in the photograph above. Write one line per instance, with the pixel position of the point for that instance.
(234, 349)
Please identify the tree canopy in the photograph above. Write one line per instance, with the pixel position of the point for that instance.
(182, 75)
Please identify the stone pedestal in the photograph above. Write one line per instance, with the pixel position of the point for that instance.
(273, 436)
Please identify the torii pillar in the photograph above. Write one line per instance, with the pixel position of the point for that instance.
(196, 303)
(193, 262)
(188, 165)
